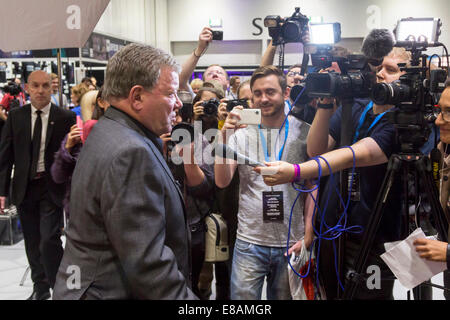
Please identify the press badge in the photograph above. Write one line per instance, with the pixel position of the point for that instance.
(273, 206)
(355, 191)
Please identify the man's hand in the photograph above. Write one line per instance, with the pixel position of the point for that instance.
(231, 124)
(297, 247)
(222, 111)
(3, 114)
(433, 250)
(188, 159)
(74, 137)
(166, 138)
(198, 109)
(276, 173)
(204, 39)
(2, 205)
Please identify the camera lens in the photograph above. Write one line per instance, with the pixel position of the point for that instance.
(182, 133)
(391, 93)
(291, 31)
(296, 97)
(231, 104)
(210, 107)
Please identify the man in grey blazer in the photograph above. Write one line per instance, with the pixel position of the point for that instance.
(127, 236)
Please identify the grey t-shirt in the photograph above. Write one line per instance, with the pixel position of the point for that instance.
(251, 227)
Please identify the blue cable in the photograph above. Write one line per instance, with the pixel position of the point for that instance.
(335, 231)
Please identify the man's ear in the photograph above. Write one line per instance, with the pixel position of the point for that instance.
(136, 97)
(287, 93)
(26, 88)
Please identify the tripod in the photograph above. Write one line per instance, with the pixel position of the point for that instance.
(421, 168)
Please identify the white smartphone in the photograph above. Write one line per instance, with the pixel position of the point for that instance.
(249, 116)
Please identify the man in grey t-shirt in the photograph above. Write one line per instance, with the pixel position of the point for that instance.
(264, 212)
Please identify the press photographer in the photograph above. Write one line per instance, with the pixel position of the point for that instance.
(206, 105)
(192, 167)
(14, 96)
(378, 132)
(262, 232)
(373, 143)
(435, 250)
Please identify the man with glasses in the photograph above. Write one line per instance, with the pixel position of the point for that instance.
(435, 250)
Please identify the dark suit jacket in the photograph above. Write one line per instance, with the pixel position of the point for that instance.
(15, 149)
(127, 232)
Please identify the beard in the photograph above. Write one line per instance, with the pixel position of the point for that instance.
(271, 110)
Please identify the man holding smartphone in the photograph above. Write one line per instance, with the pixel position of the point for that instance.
(263, 214)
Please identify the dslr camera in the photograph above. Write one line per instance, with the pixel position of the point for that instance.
(210, 107)
(237, 102)
(287, 30)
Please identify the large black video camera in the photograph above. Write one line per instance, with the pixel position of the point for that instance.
(355, 81)
(12, 88)
(415, 93)
(289, 29)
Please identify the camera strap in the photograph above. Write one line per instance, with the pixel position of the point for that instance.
(363, 118)
(264, 143)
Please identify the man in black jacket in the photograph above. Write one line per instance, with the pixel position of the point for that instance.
(31, 136)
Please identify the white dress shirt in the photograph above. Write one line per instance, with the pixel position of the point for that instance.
(44, 117)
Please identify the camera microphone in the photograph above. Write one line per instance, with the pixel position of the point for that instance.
(224, 151)
(377, 45)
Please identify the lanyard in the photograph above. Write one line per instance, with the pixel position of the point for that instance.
(264, 143)
(363, 118)
(289, 104)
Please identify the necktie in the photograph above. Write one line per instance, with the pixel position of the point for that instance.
(36, 144)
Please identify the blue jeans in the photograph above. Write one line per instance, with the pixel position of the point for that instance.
(251, 265)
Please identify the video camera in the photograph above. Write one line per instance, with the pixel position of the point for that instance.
(12, 88)
(413, 93)
(355, 81)
(287, 30)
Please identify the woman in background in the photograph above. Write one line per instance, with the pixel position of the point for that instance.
(67, 155)
(77, 93)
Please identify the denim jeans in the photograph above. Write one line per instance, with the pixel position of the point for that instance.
(251, 265)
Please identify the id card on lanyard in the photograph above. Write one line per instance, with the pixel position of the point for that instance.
(354, 181)
(273, 209)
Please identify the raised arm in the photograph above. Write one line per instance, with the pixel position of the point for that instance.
(319, 140)
(269, 55)
(189, 65)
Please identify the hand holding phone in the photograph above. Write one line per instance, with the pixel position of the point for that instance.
(249, 116)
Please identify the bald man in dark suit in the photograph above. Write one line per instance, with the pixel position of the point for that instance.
(31, 136)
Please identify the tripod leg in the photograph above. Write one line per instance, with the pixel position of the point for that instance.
(371, 229)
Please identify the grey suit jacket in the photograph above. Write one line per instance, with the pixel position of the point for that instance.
(127, 236)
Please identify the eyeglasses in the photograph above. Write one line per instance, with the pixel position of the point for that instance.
(445, 114)
(293, 74)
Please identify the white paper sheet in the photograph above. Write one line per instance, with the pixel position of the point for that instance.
(406, 264)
